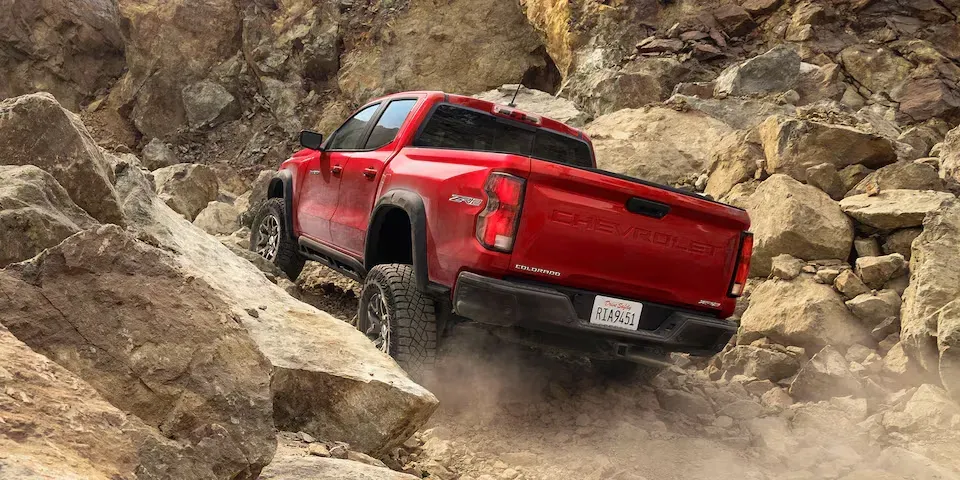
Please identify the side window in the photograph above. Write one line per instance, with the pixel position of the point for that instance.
(390, 122)
(350, 135)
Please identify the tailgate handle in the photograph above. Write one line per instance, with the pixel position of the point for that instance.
(647, 207)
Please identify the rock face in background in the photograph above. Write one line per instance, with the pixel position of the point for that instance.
(537, 102)
(796, 219)
(154, 342)
(70, 48)
(656, 144)
(60, 427)
(35, 213)
(35, 130)
(476, 45)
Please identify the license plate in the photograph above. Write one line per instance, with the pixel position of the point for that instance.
(617, 313)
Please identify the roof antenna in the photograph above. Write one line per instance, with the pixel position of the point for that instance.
(513, 102)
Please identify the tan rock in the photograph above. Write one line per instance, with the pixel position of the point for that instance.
(796, 219)
(351, 393)
(786, 267)
(66, 151)
(35, 213)
(218, 218)
(761, 363)
(187, 187)
(904, 175)
(948, 343)
(538, 103)
(825, 376)
(875, 271)
(55, 425)
(849, 284)
(873, 309)
(792, 146)
(153, 341)
(851, 175)
(776, 70)
(950, 155)
(894, 209)
(656, 144)
(734, 160)
(826, 178)
(901, 242)
(293, 467)
(928, 412)
(801, 312)
(867, 247)
(876, 68)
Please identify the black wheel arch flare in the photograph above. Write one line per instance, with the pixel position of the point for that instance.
(411, 203)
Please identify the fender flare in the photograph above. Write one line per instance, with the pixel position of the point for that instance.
(285, 179)
(411, 203)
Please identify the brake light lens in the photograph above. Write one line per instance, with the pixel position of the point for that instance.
(743, 265)
(497, 223)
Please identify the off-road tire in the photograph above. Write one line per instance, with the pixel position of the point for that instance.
(288, 258)
(412, 317)
(625, 370)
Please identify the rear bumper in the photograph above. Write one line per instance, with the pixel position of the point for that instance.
(554, 310)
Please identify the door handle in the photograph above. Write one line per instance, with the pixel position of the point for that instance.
(370, 172)
(336, 170)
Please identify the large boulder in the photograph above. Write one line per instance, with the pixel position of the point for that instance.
(537, 102)
(468, 46)
(900, 176)
(826, 375)
(894, 209)
(801, 312)
(640, 82)
(793, 145)
(950, 155)
(152, 339)
(71, 48)
(777, 70)
(36, 130)
(796, 219)
(187, 187)
(218, 218)
(934, 283)
(656, 143)
(35, 213)
(327, 378)
(876, 68)
(55, 425)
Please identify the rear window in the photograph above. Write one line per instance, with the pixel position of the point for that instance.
(464, 129)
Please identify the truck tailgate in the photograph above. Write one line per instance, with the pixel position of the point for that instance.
(602, 232)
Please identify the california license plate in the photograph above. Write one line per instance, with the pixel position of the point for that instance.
(616, 313)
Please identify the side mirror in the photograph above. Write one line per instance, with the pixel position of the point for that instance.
(311, 140)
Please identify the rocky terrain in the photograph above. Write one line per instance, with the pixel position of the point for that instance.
(140, 339)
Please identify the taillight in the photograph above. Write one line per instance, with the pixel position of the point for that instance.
(743, 265)
(497, 223)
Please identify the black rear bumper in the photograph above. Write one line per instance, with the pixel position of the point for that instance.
(565, 312)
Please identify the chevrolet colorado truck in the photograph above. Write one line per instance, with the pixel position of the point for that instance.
(448, 208)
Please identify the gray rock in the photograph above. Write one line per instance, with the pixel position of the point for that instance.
(893, 209)
(825, 376)
(66, 151)
(867, 247)
(887, 327)
(187, 187)
(208, 103)
(538, 103)
(157, 154)
(35, 213)
(849, 284)
(741, 410)
(851, 175)
(901, 241)
(796, 219)
(218, 218)
(873, 309)
(875, 271)
(772, 72)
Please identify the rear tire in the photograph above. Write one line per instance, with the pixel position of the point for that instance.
(270, 239)
(625, 370)
(399, 318)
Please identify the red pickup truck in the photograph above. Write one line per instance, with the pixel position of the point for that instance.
(448, 208)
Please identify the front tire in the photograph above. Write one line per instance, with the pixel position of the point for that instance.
(269, 239)
(399, 318)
